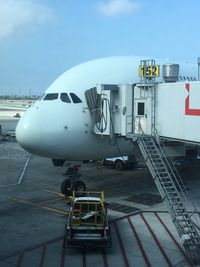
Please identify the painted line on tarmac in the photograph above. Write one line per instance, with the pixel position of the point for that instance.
(24, 169)
(62, 261)
(20, 259)
(121, 246)
(139, 243)
(62, 212)
(20, 252)
(157, 241)
(173, 239)
(53, 192)
(43, 256)
(52, 200)
(21, 175)
(63, 254)
(84, 261)
(105, 260)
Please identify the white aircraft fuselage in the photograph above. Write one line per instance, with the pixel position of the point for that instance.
(62, 128)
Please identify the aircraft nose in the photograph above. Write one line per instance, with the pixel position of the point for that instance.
(28, 133)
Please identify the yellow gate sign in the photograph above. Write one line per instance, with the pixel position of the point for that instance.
(149, 71)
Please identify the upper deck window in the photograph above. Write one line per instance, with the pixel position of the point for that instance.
(75, 98)
(52, 96)
(65, 98)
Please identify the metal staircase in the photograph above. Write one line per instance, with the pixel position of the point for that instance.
(165, 175)
(168, 184)
(148, 81)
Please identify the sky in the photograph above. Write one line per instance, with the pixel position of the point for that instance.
(41, 39)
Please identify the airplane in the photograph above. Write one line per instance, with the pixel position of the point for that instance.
(59, 125)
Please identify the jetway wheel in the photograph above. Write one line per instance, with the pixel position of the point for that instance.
(119, 165)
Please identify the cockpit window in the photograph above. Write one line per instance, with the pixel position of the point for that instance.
(52, 96)
(65, 98)
(75, 98)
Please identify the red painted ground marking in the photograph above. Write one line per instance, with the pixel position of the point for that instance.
(139, 243)
(84, 258)
(62, 261)
(121, 246)
(135, 213)
(172, 237)
(126, 216)
(105, 260)
(43, 256)
(32, 248)
(19, 262)
(157, 242)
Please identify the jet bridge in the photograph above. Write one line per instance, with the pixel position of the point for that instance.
(127, 109)
(148, 112)
(173, 109)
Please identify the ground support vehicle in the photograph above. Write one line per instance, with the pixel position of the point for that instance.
(120, 163)
(87, 224)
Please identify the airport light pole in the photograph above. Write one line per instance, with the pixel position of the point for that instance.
(198, 61)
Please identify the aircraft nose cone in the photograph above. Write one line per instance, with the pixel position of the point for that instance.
(28, 134)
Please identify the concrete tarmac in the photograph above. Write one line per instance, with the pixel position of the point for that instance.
(33, 214)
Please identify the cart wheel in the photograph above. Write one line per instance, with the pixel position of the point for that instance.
(119, 165)
(64, 187)
(80, 186)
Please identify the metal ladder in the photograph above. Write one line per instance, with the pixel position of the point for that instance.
(148, 80)
(171, 191)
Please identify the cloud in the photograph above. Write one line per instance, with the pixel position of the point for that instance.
(116, 7)
(22, 15)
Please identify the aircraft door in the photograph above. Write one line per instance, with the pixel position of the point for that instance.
(140, 118)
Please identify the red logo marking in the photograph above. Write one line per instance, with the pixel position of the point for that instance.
(188, 110)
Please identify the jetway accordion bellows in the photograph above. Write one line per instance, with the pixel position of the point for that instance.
(93, 100)
(170, 72)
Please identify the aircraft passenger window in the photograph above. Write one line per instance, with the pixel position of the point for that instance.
(65, 98)
(181, 78)
(75, 98)
(184, 78)
(140, 109)
(52, 96)
(188, 78)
